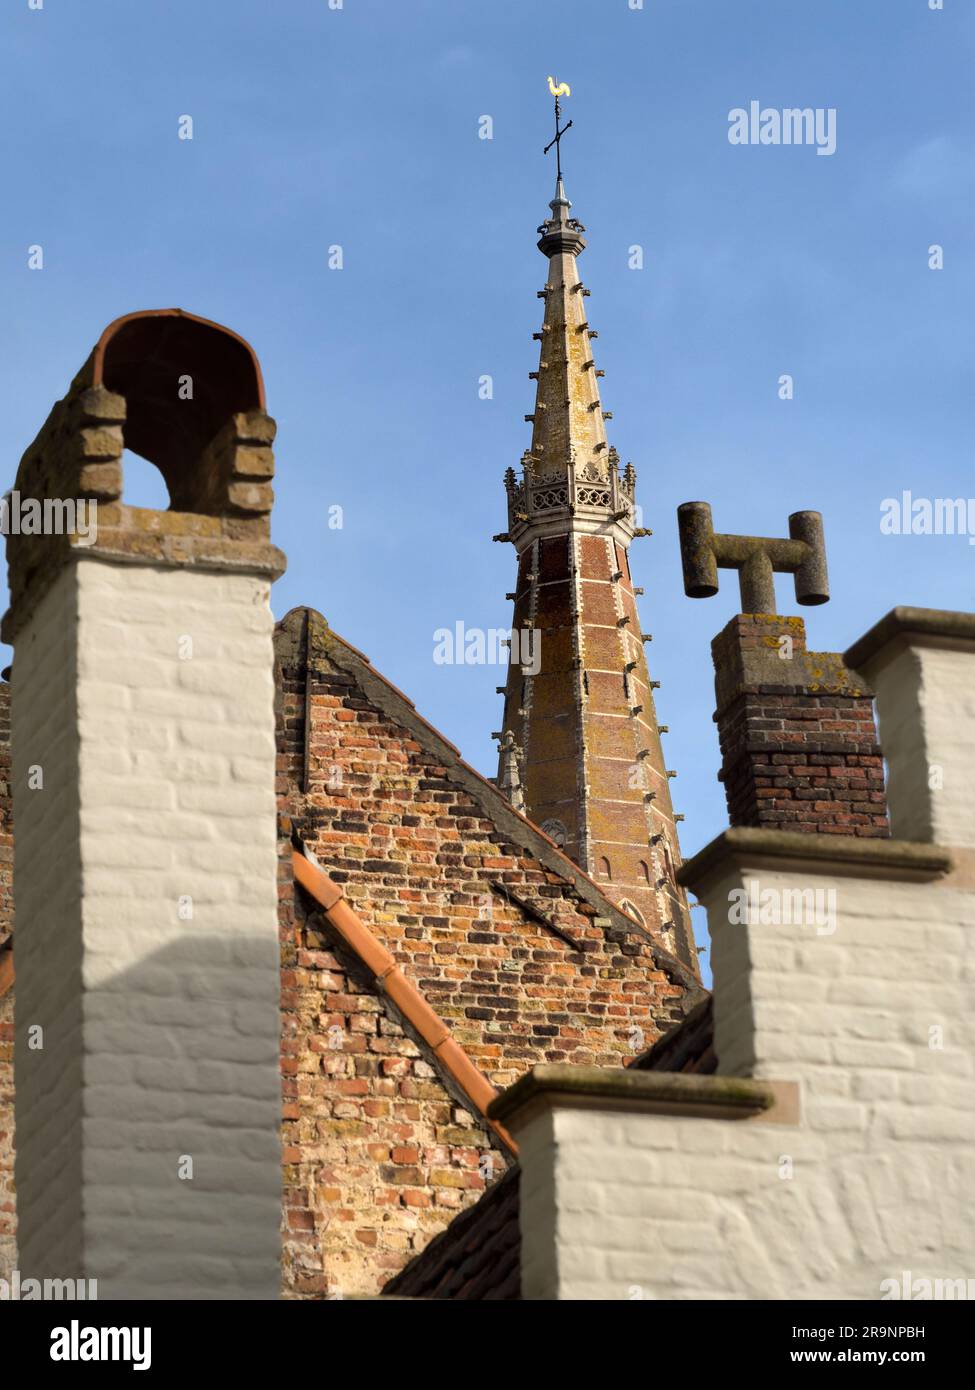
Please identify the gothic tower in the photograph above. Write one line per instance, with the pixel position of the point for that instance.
(580, 747)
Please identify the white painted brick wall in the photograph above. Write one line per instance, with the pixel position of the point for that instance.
(926, 708)
(619, 1206)
(47, 879)
(635, 1205)
(162, 1034)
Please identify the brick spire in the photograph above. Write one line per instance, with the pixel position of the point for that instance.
(578, 701)
(568, 421)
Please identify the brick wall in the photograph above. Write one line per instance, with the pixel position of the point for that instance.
(379, 1154)
(798, 739)
(455, 885)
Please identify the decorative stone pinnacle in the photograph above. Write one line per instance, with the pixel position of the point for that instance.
(756, 558)
(510, 780)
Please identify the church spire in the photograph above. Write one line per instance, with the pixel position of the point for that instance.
(568, 420)
(591, 770)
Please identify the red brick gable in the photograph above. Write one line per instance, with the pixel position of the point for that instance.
(516, 950)
(509, 941)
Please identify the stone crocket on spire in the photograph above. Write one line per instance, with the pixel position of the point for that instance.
(593, 775)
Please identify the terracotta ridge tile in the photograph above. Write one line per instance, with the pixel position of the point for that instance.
(402, 992)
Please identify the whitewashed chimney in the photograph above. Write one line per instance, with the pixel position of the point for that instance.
(147, 1034)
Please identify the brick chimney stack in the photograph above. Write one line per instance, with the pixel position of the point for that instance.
(798, 741)
(796, 728)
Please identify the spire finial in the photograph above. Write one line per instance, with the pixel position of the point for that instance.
(560, 233)
(562, 89)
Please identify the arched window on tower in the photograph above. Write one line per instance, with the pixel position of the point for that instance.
(604, 870)
(631, 911)
(644, 871)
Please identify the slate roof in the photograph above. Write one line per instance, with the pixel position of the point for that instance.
(478, 1256)
(689, 1046)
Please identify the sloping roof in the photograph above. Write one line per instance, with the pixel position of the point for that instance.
(478, 1256)
(689, 1046)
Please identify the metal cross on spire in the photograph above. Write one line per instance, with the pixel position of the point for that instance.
(562, 89)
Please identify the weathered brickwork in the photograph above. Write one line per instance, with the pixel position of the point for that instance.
(378, 1154)
(212, 448)
(798, 739)
(381, 1148)
(513, 947)
(484, 927)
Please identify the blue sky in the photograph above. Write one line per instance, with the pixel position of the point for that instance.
(358, 127)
